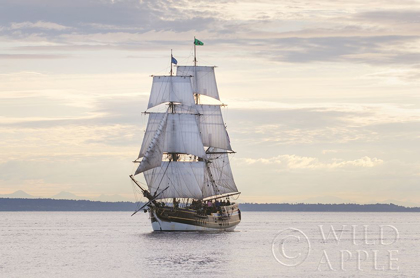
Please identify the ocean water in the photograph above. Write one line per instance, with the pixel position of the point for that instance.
(265, 244)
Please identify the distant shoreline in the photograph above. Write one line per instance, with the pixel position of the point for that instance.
(21, 204)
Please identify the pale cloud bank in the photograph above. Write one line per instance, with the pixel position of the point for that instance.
(300, 162)
(37, 25)
(290, 31)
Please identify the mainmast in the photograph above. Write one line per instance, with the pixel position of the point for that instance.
(195, 53)
(196, 94)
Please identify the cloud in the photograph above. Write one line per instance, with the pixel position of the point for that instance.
(394, 16)
(362, 49)
(277, 32)
(37, 25)
(329, 124)
(329, 151)
(33, 56)
(397, 76)
(87, 17)
(78, 173)
(301, 162)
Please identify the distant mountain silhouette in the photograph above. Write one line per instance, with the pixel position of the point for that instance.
(17, 194)
(64, 195)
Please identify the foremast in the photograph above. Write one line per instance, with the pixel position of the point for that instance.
(196, 94)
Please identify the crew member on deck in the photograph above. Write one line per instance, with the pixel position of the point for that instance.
(175, 202)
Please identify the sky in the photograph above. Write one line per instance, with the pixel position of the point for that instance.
(323, 96)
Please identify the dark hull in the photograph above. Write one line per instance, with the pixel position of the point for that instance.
(181, 219)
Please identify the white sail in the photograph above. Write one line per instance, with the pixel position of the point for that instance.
(152, 126)
(182, 134)
(192, 179)
(171, 89)
(212, 127)
(219, 178)
(203, 79)
(185, 179)
(153, 156)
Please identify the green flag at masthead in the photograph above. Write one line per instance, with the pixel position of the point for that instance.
(198, 42)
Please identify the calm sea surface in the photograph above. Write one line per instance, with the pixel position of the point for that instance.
(265, 244)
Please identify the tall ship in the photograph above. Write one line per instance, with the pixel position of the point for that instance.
(184, 154)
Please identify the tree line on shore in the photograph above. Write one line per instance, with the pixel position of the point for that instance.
(17, 204)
